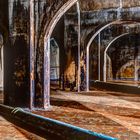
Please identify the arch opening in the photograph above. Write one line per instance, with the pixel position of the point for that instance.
(127, 62)
(97, 34)
(47, 45)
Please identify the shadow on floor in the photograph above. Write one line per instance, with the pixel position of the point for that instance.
(70, 104)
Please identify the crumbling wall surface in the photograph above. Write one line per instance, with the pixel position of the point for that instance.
(16, 54)
(93, 21)
(130, 3)
(3, 34)
(123, 54)
(91, 5)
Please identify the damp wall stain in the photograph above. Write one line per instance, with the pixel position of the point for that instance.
(16, 53)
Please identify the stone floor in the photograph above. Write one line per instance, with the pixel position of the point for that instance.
(111, 113)
(8, 131)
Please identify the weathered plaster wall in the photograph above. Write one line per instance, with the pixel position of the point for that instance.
(3, 36)
(123, 54)
(4, 31)
(16, 54)
(90, 5)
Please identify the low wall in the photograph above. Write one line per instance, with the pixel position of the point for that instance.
(115, 87)
(46, 126)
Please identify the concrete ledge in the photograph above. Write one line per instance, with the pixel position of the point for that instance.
(44, 126)
(116, 87)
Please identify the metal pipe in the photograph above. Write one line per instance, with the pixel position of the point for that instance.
(116, 38)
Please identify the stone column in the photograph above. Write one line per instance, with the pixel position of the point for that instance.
(32, 45)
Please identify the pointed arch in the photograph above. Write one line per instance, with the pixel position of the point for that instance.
(105, 52)
(92, 39)
(50, 28)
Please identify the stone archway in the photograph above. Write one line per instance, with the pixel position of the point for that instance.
(105, 52)
(50, 28)
(92, 39)
(129, 67)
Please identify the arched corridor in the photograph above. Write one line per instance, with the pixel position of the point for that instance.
(70, 69)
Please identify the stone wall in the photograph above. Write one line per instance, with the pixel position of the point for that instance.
(123, 54)
(16, 54)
